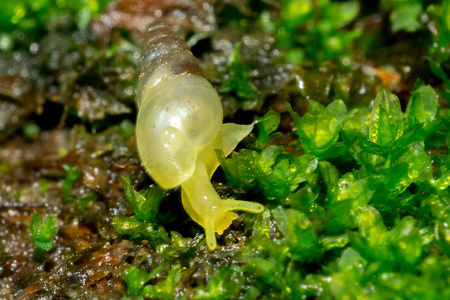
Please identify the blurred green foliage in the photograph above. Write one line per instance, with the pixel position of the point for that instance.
(30, 130)
(319, 31)
(236, 80)
(72, 175)
(34, 16)
(82, 201)
(314, 30)
(404, 15)
(437, 69)
(30, 19)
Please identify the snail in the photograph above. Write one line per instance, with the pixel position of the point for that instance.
(179, 126)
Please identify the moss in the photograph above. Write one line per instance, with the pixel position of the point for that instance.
(349, 156)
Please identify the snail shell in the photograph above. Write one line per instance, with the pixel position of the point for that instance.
(179, 125)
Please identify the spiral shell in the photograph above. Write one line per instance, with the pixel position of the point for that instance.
(179, 125)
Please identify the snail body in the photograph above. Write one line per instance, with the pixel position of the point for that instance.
(179, 126)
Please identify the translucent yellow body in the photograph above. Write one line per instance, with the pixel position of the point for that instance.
(179, 126)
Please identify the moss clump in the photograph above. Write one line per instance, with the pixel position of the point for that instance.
(349, 156)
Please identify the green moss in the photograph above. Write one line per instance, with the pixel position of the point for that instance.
(315, 31)
(237, 79)
(72, 175)
(375, 221)
(142, 225)
(43, 230)
(356, 200)
(80, 201)
(145, 203)
(34, 16)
